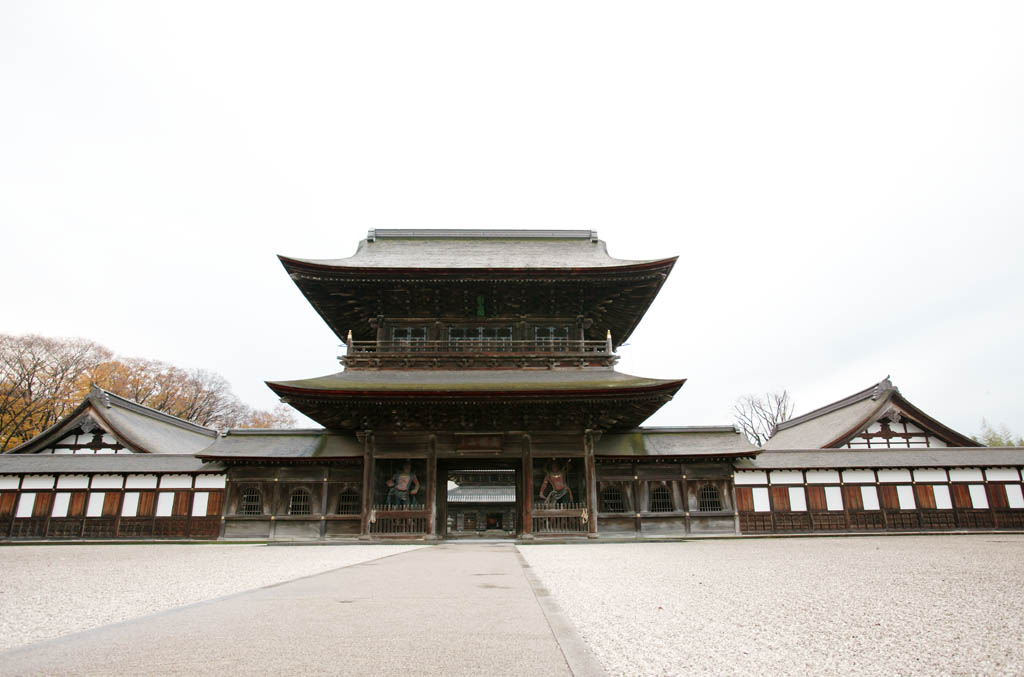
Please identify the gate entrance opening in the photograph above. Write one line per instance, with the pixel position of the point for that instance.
(482, 499)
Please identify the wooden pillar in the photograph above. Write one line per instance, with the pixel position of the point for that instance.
(364, 528)
(324, 504)
(225, 502)
(432, 492)
(526, 516)
(591, 476)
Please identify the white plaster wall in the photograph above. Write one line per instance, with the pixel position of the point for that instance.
(937, 443)
(130, 504)
(25, 503)
(965, 475)
(199, 503)
(823, 477)
(929, 475)
(1002, 474)
(140, 482)
(942, 499)
(869, 495)
(859, 476)
(797, 499)
(107, 482)
(787, 477)
(833, 498)
(742, 478)
(95, 506)
(220, 481)
(979, 499)
(61, 501)
(72, 481)
(164, 503)
(894, 475)
(109, 439)
(1014, 496)
(761, 503)
(175, 481)
(905, 493)
(37, 482)
(8, 481)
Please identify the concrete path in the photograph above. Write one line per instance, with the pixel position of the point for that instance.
(465, 609)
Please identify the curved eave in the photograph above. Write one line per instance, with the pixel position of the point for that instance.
(293, 265)
(457, 394)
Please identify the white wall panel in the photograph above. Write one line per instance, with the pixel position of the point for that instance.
(823, 477)
(929, 475)
(979, 499)
(220, 481)
(107, 481)
(965, 475)
(787, 477)
(109, 439)
(95, 507)
(175, 481)
(37, 482)
(61, 501)
(742, 478)
(1014, 496)
(936, 442)
(130, 505)
(905, 493)
(833, 498)
(761, 503)
(942, 499)
(199, 502)
(25, 504)
(859, 476)
(1002, 474)
(869, 495)
(164, 503)
(797, 499)
(72, 481)
(894, 475)
(140, 482)
(9, 481)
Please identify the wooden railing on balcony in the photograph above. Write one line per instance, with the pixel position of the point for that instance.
(480, 346)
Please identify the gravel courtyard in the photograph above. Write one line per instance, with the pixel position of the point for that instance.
(867, 605)
(52, 590)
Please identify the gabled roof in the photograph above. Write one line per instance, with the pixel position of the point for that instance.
(833, 425)
(139, 428)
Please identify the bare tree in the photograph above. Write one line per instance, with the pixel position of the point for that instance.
(759, 416)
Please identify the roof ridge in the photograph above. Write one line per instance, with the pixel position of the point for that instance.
(873, 392)
(108, 399)
(482, 233)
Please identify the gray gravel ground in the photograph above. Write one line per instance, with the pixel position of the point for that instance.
(871, 605)
(49, 591)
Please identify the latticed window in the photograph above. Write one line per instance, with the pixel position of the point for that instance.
(252, 502)
(612, 500)
(709, 499)
(661, 500)
(299, 503)
(348, 503)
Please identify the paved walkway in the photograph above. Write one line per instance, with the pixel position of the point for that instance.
(465, 609)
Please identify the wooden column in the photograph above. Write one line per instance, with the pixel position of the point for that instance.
(364, 528)
(432, 486)
(591, 476)
(324, 504)
(527, 483)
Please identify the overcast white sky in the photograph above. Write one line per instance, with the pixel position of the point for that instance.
(843, 183)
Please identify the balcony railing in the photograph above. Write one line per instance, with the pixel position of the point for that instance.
(479, 347)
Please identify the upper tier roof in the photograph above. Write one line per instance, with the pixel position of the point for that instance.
(513, 249)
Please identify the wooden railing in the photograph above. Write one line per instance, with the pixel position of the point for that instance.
(480, 346)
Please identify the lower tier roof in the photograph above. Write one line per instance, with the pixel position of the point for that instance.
(493, 399)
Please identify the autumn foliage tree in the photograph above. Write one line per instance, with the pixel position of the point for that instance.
(43, 379)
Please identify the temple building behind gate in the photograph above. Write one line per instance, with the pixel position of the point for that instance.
(479, 396)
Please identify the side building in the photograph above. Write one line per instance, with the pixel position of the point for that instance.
(478, 396)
